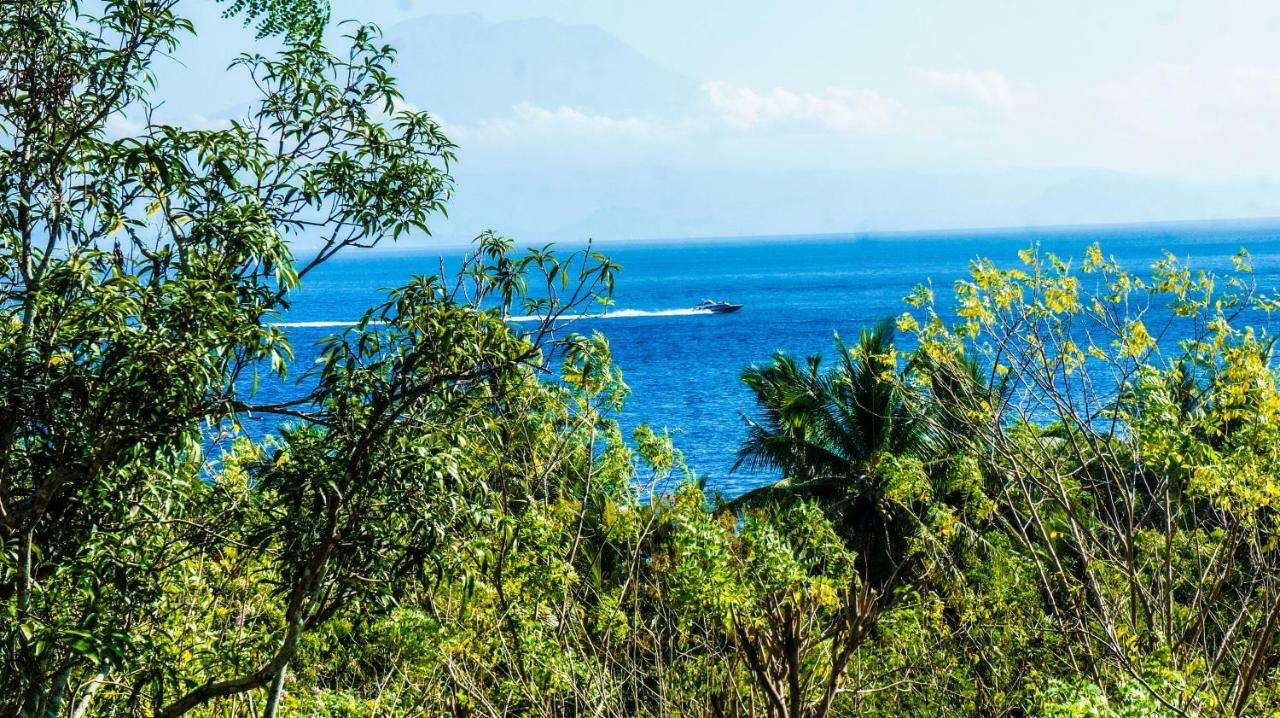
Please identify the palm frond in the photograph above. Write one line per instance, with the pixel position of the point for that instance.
(816, 425)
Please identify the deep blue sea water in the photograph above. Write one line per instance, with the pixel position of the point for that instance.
(683, 369)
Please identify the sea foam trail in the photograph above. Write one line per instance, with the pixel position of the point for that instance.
(620, 314)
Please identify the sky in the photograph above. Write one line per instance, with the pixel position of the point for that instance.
(672, 118)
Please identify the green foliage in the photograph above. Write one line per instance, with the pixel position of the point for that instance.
(1083, 699)
(292, 18)
(822, 428)
(1051, 506)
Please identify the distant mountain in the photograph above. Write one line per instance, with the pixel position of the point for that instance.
(466, 68)
(628, 203)
(563, 186)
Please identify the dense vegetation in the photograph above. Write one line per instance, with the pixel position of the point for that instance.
(1052, 496)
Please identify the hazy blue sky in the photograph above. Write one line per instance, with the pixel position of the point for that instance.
(620, 119)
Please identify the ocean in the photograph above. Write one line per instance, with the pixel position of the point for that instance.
(683, 368)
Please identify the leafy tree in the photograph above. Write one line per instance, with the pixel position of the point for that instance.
(825, 430)
(1061, 502)
(846, 437)
(292, 18)
(349, 512)
(786, 591)
(1133, 461)
(140, 275)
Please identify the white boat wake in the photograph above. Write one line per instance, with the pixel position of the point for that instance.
(292, 325)
(620, 314)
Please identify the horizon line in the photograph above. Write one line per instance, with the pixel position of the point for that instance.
(1261, 222)
(971, 230)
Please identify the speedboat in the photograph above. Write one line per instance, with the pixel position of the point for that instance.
(714, 307)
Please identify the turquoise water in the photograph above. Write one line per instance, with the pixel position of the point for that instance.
(683, 369)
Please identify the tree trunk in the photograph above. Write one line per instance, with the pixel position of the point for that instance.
(276, 691)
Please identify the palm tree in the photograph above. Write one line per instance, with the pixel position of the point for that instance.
(827, 430)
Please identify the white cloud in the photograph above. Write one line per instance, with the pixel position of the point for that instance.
(398, 105)
(858, 110)
(529, 121)
(118, 126)
(568, 136)
(1186, 120)
(983, 90)
(202, 122)
(1165, 120)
